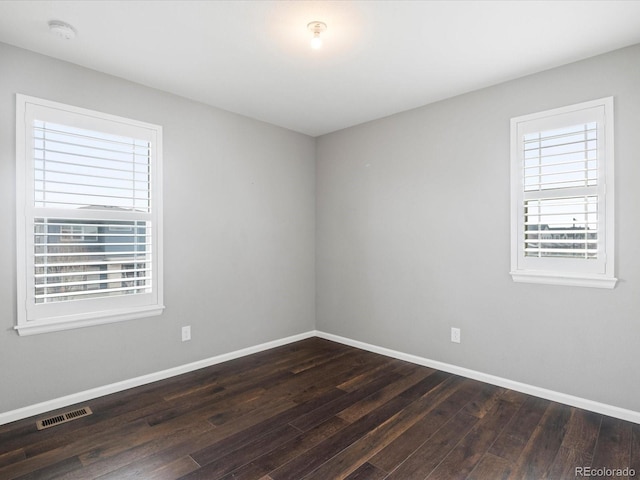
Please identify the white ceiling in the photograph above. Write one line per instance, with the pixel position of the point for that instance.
(379, 57)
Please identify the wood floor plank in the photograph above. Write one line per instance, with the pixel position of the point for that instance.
(491, 467)
(153, 455)
(514, 437)
(230, 434)
(133, 453)
(371, 402)
(489, 396)
(398, 366)
(634, 463)
(307, 384)
(357, 381)
(343, 463)
(52, 470)
(62, 452)
(237, 394)
(464, 457)
(537, 456)
(334, 407)
(222, 399)
(635, 449)
(367, 472)
(309, 461)
(238, 439)
(220, 466)
(582, 432)
(425, 386)
(290, 450)
(111, 445)
(373, 442)
(175, 469)
(12, 457)
(118, 412)
(180, 429)
(613, 450)
(444, 403)
(318, 361)
(426, 458)
(566, 462)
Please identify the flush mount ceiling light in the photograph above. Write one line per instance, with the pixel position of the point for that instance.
(62, 29)
(316, 28)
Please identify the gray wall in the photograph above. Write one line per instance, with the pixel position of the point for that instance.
(413, 237)
(239, 237)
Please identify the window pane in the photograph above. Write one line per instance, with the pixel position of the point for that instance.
(76, 168)
(561, 227)
(561, 158)
(79, 259)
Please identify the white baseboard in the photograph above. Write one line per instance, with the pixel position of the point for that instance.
(602, 408)
(38, 408)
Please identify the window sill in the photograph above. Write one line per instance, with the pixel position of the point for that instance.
(552, 278)
(67, 323)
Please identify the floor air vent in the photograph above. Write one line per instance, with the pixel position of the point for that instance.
(63, 418)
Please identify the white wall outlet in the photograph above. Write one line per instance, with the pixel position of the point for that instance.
(186, 333)
(455, 335)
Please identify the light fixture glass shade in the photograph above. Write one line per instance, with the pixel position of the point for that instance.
(316, 42)
(316, 28)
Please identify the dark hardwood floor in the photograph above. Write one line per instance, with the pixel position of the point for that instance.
(320, 410)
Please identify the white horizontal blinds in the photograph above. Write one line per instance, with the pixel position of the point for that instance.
(560, 177)
(561, 158)
(88, 259)
(75, 167)
(101, 247)
(562, 227)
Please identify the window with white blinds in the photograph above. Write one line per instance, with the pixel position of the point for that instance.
(562, 200)
(89, 213)
(75, 168)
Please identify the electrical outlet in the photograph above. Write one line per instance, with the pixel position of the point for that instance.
(186, 333)
(455, 335)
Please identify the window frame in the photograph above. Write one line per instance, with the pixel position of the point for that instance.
(35, 318)
(598, 273)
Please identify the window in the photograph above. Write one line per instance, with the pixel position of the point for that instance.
(89, 211)
(562, 196)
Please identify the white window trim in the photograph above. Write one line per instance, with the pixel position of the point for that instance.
(105, 311)
(548, 272)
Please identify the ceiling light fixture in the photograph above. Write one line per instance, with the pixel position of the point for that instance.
(62, 29)
(316, 28)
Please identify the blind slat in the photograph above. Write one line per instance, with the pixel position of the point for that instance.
(105, 281)
(97, 292)
(133, 162)
(88, 273)
(51, 161)
(541, 173)
(106, 263)
(549, 135)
